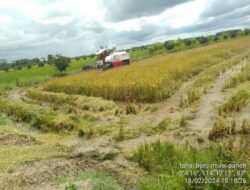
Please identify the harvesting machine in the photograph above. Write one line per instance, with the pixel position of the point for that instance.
(108, 58)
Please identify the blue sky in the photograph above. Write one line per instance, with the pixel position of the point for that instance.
(35, 28)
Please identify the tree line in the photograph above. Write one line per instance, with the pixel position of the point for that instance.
(180, 44)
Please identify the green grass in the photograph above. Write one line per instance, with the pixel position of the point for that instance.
(26, 76)
(2, 121)
(76, 65)
(162, 160)
(99, 180)
(37, 74)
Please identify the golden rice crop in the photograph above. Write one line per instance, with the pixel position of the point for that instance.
(148, 80)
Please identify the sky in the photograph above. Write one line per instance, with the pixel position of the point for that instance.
(36, 28)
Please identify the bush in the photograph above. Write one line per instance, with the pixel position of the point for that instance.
(226, 35)
(6, 69)
(156, 48)
(41, 64)
(162, 160)
(70, 186)
(169, 45)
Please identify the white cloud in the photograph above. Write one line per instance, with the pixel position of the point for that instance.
(60, 20)
(5, 19)
(185, 14)
(28, 8)
(127, 25)
(37, 27)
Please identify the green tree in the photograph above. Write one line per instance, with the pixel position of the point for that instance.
(218, 38)
(6, 69)
(151, 50)
(61, 63)
(178, 44)
(50, 59)
(246, 31)
(191, 42)
(41, 64)
(202, 39)
(77, 58)
(35, 61)
(226, 35)
(156, 48)
(169, 45)
(210, 39)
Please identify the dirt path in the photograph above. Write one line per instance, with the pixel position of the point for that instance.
(204, 120)
(165, 109)
(198, 127)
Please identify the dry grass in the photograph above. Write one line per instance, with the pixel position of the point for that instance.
(225, 127)
(243, 76)
(149, 80)
(245, 126)
(235, 103)
(11, 156)
(221, 128)
(92, 104)
(205, 80)
(40, 147)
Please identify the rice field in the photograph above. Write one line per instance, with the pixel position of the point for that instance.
(149, 80)
(69, 133)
